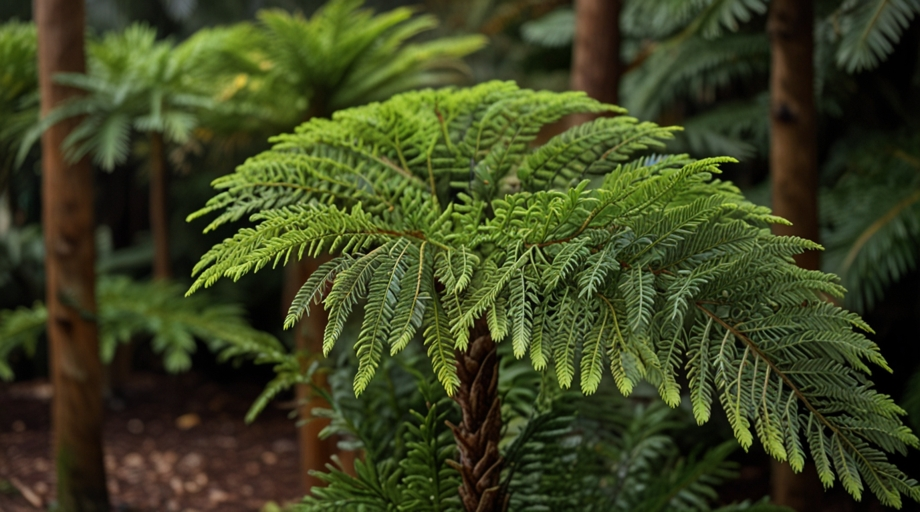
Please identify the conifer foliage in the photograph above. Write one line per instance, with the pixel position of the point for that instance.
(586, 253)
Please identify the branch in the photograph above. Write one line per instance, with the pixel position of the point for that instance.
(795, 390)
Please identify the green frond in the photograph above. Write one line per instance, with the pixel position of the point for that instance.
(18, 91)
(640, 294)
(692, 67)
(431, 483)
(455, 269)
(20, 329)
(870, 30)
(441, 344)
(872, 241)
(127, 309)
(313, 291)
(347, 289)
(553, 30)
(382, 292)
(717, 15)
(655, 269)
(417, 477)
(413, 299)
(521, 313)
(592, 356)
(593, 148)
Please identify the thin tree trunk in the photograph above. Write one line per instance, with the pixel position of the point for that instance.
(794, 171)
(67, 216)
(596, 66)
(793, 126)
(315, 453)
(479, 432)
(159, 207)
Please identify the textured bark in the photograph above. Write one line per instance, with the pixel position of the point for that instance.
(479, 432)
(159, 207)
(794, 171)
(315, 453)
(793, 132)
(596, 66)
(67, 217)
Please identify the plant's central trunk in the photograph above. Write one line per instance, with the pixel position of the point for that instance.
(479, 432)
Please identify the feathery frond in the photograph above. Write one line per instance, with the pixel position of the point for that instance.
(127, 309)
(653, 268)
(870, 30)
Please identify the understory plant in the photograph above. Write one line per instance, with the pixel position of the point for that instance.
(128, 309)
(585, 253)
(564, 452)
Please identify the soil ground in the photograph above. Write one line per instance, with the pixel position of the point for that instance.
(177, 444)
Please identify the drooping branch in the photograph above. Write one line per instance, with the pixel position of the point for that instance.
(800, 396)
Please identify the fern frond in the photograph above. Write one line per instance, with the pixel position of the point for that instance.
(441, 345)
(313, 291)
(870, 29)
(695, 65)
(383, 291)
(20, 329)
(717, 15)
(655, 269)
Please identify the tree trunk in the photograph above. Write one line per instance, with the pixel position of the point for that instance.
(794, 171)
(596, 66)
(315, 453)
(67, 215)
(793, 131)
(159, 207)
(479, 432)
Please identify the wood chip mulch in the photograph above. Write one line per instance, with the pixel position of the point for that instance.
(178, 444)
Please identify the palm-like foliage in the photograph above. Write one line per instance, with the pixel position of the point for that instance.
(127, 309)
(870, 30)
(342, 56)
(650, 267)
(18, 89)
(687, 52)
(872, 213)
(134, 83)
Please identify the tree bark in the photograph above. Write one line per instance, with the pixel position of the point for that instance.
(794, 171)
(159, 207)
(67, 215)
(596, 66)
(315, 453)
(793, 125)
(479, 432)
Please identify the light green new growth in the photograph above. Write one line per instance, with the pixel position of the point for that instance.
(587, 252)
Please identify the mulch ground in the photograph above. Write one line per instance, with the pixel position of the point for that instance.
(179, 444)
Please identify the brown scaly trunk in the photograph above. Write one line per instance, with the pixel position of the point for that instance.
(596, 66)
(315, 453)
(159, 207)
(794, 171)
(479, 432)
(67, 216)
